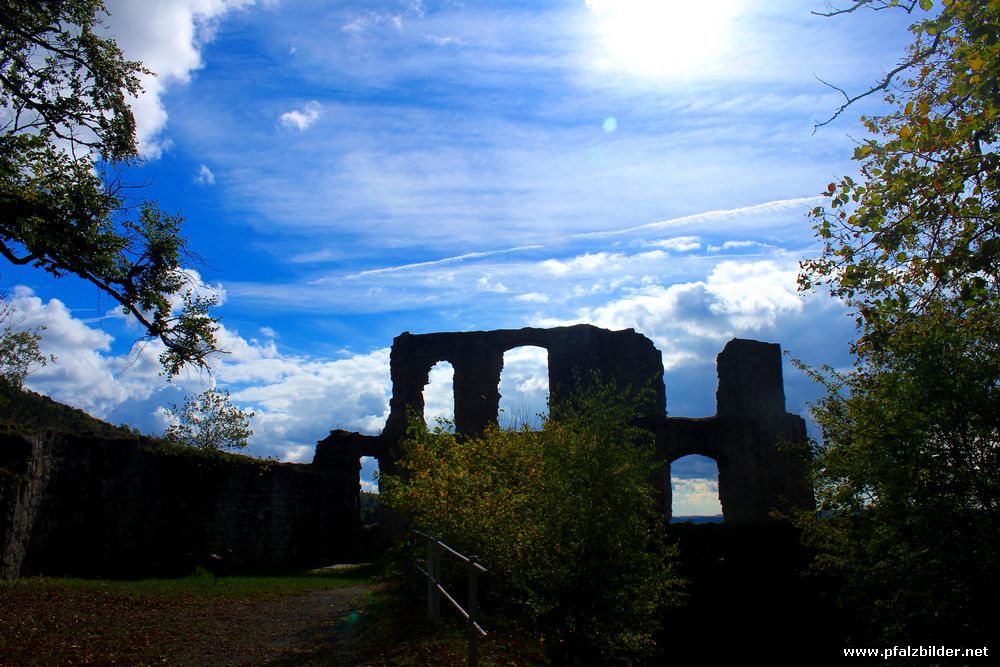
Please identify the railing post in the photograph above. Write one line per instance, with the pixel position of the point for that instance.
(434, 570)
(435, 591)
(473, 613)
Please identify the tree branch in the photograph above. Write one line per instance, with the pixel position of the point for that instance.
(882, 85)
(876, 6)
(14, 259)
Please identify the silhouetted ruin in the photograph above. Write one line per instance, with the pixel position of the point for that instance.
(759, 448)
(757, 445)
(99, 505)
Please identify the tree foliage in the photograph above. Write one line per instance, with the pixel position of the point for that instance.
(908, 471)
(920, 224)
(908, 483)
(210, 421)
(564, 518)
(67, 129)
(19, 350)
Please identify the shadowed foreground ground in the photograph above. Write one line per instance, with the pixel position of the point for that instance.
(54, 625)
(742, 584)
(240, 621)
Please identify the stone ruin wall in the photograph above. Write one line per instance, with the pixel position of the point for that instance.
(576, 355)
(81, 505)
(757, 445)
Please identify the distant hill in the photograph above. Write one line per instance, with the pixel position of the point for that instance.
(28, 411)
(717, 518)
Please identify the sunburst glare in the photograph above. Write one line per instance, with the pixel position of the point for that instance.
(662, 38)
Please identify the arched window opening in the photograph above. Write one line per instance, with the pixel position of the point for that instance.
(439, 394)
(694, 484)
(524, 387)
(369, 491)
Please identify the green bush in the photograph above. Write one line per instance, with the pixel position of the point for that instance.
(565, 519)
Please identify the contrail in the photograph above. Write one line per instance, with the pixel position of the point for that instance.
(444, 260)
(707, 216)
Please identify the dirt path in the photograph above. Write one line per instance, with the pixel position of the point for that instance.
(294, 630)
(313, 628)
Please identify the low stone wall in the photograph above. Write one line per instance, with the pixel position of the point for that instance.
(73, 504)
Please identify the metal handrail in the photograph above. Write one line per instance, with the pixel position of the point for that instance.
(435, 590)
(441, 589)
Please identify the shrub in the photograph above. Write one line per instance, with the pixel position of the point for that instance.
(565, 517)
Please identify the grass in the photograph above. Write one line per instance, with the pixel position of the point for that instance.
(202, 585)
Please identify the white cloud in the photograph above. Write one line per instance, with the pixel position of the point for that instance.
(83, 374)
(717, 216)
(369, 466)
(197, 287)
(578, 279)
(695, 497)
(313, 256)
(446, 40)
(732, 245)
(297, 400)
(524, 386)
(677, 243)
(364, 23)
(486, 285)
(690, 318)
(752, 294)
(167, 36)
(586, 263)
(445, 260)
(205, 176)
(301, 120)
(735, 297)
(439, 393)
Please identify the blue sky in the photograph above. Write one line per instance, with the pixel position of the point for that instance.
(352, 170)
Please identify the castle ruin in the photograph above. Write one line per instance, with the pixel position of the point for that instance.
(86, 505)
(756, 444)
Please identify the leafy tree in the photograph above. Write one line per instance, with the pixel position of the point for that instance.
(908, 472)
(908, 480)
(921, 222)
(564, 518)
(67, 130)
(210, 421)
(19, 351)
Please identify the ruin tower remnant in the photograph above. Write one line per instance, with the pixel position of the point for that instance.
(760, 449)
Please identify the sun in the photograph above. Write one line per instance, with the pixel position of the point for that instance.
(662, 38)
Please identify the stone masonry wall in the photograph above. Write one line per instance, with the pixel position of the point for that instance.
(760, 449)
(80, 505)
